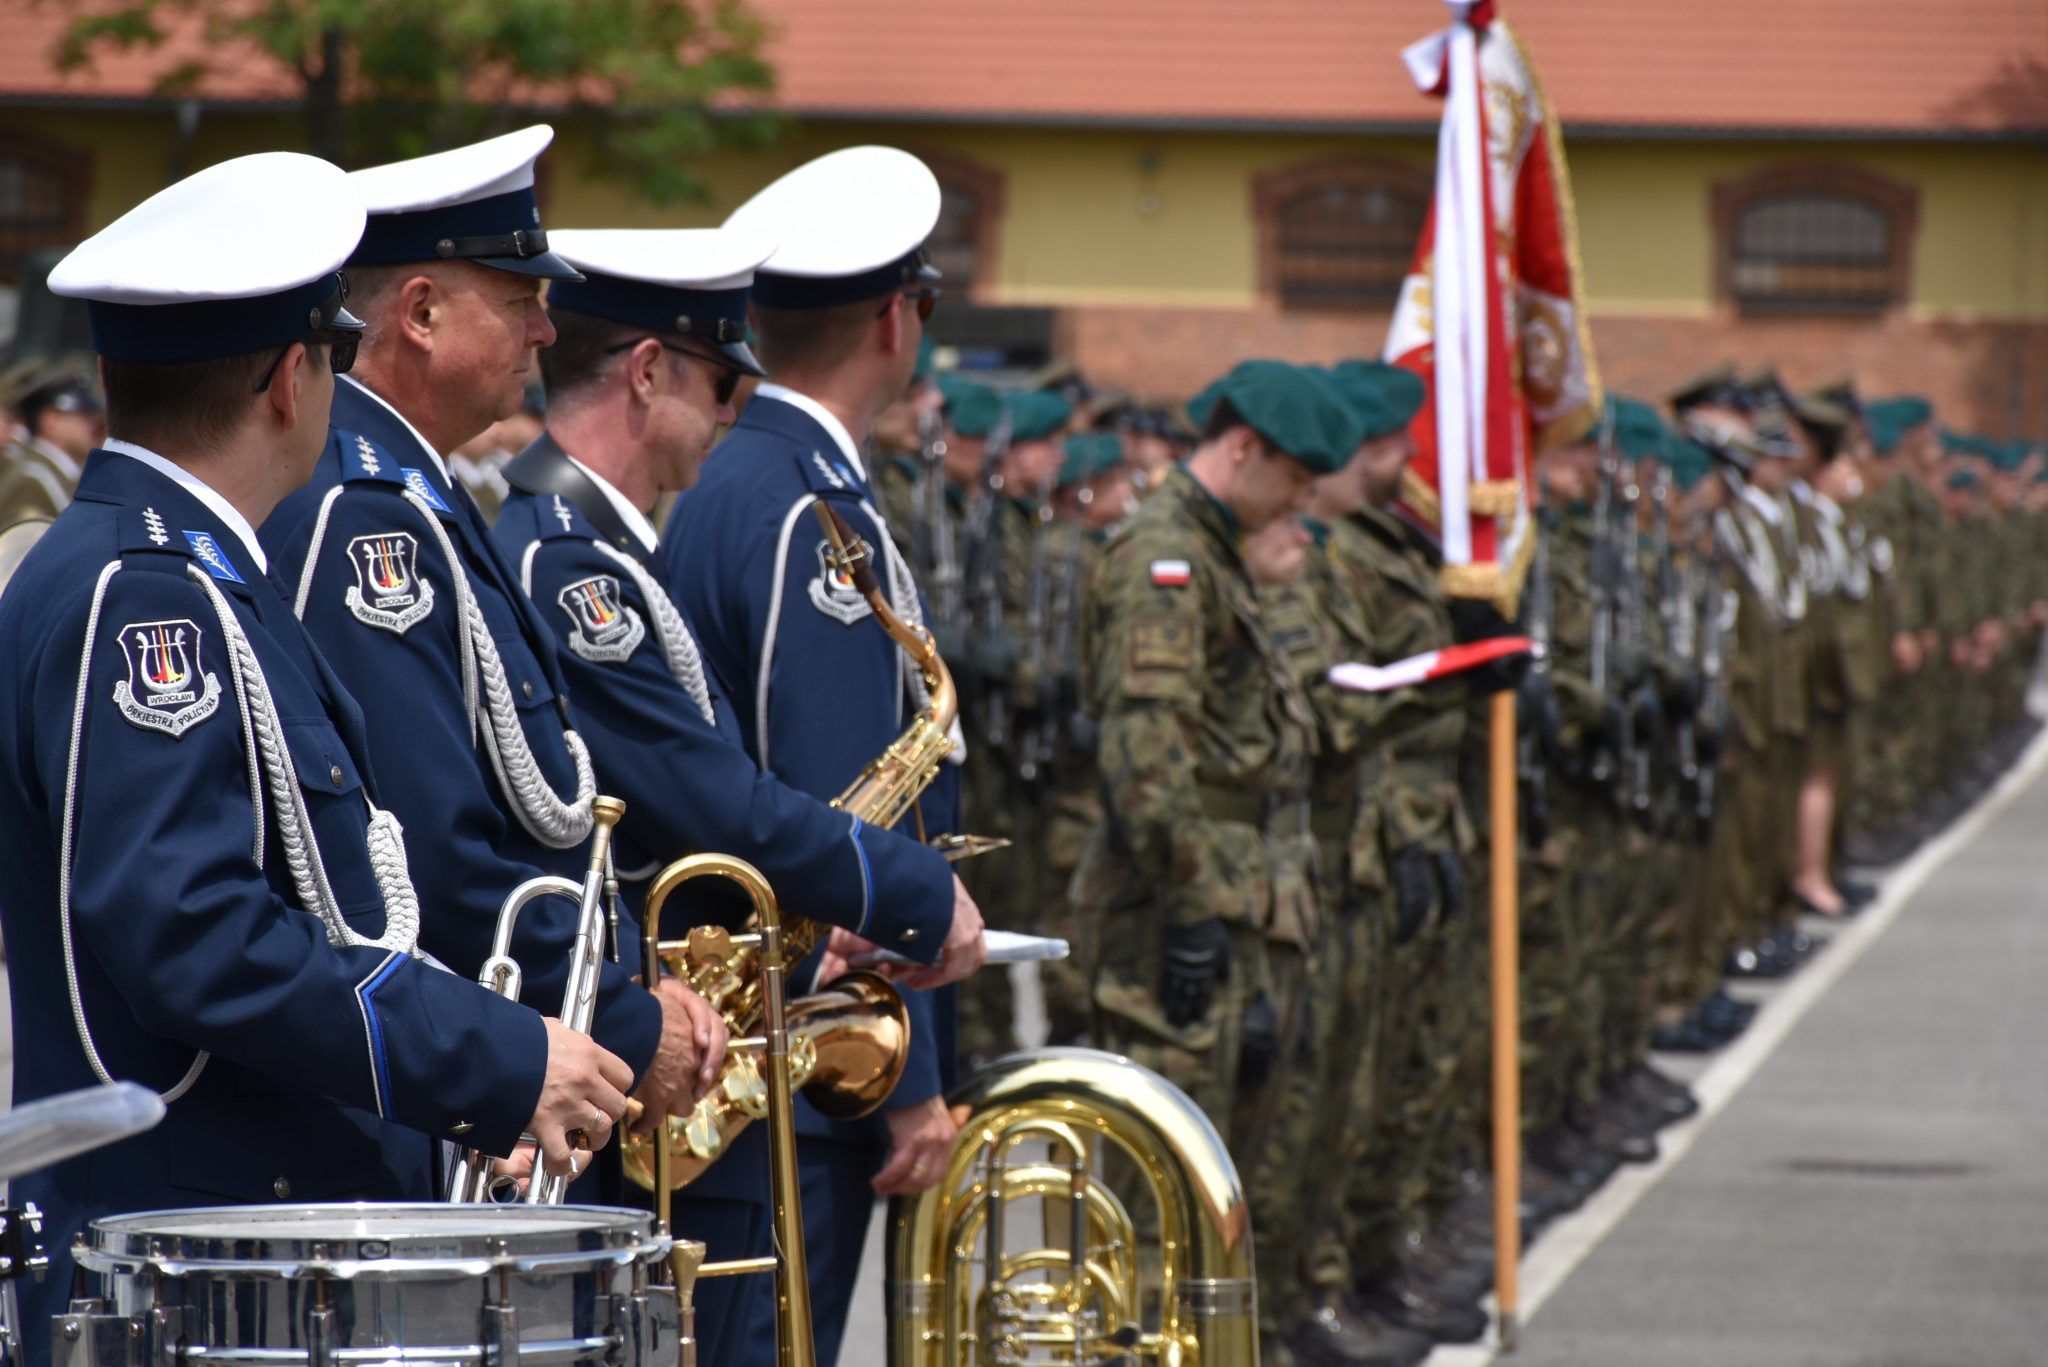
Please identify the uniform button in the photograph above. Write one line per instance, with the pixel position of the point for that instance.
(909, 935)
(335, 774)
(527, 689)
(282, 1188)
(462, 1127)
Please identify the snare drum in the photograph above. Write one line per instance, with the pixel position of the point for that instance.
(372, 1284)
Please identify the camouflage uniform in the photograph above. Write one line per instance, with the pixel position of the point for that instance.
(1205, 745)
(1410, 848)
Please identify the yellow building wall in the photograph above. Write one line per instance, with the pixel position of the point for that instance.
(1101, 216)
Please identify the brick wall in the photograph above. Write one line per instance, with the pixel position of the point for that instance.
(1986, 377)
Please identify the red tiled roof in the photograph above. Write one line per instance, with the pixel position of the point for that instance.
(1904, 66)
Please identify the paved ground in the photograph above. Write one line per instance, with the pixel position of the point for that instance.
(1876, 1194)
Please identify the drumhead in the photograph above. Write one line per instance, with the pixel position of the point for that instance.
(370, 1240)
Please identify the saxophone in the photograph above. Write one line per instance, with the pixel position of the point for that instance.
(848, 1042)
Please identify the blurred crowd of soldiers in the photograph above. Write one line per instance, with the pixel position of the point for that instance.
(1780, 634)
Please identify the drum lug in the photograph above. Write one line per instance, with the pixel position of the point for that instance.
(644, 1324)
(89, 1335)
(320, 1336)
(501, 1336)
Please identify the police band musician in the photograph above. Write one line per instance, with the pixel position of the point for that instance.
(206, 889)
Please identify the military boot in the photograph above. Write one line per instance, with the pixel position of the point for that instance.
(1335, 1335)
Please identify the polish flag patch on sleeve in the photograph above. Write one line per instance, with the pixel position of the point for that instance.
(1170, 574)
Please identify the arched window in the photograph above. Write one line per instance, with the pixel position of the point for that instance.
(963, 244)
(1814, 240)
(42, 199)
(1338, 234)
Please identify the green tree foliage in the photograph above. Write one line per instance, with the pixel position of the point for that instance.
(385, 79)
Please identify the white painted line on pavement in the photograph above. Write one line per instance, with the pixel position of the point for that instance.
(1567, 1241)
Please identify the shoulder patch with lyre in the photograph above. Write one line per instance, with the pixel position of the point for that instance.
(607, 631)
(388, 593)
(168, 688)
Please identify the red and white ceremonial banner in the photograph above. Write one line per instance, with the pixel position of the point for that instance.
(1429, 666)
(1491, 315)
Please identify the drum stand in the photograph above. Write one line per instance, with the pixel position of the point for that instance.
(21, 1255)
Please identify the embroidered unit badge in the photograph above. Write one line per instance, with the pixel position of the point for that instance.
(388, 592)
(607, 631)
(168, 688)
(832, 591)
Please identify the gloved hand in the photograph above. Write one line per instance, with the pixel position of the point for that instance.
(1684, 700)
(1475, 619)
(1192, 961)
(1497, 676)
(1414, 890)
(1537, 714)
(1450, 884)
(1649, 715)
(1260, 1043)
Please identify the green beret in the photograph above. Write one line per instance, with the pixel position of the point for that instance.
(1688, 461)
(1385, 397)
(1036, 414)
(2007, 456)
(1296, 409)
(1090, 454)
(1204, 403)
(1639, 433)
(973, 408)
(1968, 444)
(1964, 478)
(1903, 413)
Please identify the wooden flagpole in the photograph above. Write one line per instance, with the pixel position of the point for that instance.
(1507, 1023)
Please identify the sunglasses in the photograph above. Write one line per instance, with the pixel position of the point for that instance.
(925, 298)
(341, 354)
(341, 342)
(725, 379)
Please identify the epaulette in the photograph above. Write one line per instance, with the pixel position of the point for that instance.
(830, 475)
(149, 542)
(363, 459)
(557, 519)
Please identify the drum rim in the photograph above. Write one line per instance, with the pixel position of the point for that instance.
(128, 1244)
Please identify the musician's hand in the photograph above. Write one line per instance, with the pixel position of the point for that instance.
(965, 951)
(920, 1146)
(584, 1089)
(690, 1038)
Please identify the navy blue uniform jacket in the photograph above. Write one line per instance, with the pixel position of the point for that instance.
(329, 1065)
(820, 685)
(404, 664)
(688, 782)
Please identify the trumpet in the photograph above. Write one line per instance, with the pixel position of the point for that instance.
(475, 1178)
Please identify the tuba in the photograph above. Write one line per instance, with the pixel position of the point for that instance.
(962, 1292)
(848, 1042)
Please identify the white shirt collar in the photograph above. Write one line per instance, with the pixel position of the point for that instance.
(57, 456)
(199, 489)
(623, 506)
(824, 417)
(425, 445)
